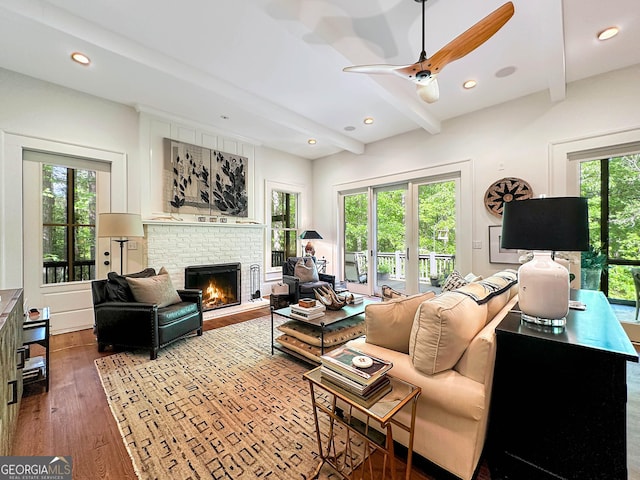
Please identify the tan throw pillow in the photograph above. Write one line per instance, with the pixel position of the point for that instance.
(443, 328)
(388, 324)
(158, 290)
(306, 270)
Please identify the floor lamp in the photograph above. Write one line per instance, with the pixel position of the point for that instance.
(120, 225)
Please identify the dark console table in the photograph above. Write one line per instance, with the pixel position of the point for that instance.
(559, 398)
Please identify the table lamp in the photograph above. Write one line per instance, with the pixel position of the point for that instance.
(310, 235)
(545, 225)
(120, 225)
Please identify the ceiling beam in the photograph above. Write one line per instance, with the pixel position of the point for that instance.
(552, 40)
(60, 20)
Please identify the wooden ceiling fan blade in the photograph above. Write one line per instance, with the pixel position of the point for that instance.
(475, 36)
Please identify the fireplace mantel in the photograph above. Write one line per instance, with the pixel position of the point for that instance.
(230, 223)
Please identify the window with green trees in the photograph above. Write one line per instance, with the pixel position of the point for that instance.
(68, 224)
(612, 186)
(284, 226)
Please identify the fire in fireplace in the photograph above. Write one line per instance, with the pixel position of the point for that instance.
(220, 284)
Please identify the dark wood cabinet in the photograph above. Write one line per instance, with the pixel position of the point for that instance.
(559, 397)
(11, 361)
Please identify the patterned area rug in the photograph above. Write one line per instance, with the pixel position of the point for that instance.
(217, 406)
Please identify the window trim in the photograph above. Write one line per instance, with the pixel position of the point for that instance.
(275, 273)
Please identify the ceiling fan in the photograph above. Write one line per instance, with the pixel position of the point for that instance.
(424, 72)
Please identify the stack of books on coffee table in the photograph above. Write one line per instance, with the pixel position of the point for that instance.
(360, 380)
(307, 313)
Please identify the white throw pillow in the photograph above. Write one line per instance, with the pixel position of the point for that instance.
(306, 270)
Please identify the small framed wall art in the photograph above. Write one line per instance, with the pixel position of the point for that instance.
(498, 254)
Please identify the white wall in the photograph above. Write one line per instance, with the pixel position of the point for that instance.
(40, 110)
(33, 108)
(510, 140)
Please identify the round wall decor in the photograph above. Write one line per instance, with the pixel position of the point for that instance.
(506, 190)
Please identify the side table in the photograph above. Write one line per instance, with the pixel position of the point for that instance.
(36, 329)
(382, 413)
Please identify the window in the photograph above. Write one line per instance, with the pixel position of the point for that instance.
(68, 224)
(284, 226)
(611, 186)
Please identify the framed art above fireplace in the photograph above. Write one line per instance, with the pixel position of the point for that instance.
(202, 181)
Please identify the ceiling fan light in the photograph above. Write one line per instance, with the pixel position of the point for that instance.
(429, 92)
(608, 33)
(469, 84)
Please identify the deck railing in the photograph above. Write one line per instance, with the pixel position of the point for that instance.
(58, 272)
(430, 265)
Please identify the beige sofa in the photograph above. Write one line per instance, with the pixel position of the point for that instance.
(449, 353)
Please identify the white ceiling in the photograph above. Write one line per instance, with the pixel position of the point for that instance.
(269, 72)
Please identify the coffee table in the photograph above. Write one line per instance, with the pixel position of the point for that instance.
(329, 318)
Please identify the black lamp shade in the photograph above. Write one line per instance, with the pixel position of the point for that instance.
(556, 224)
(310, 235)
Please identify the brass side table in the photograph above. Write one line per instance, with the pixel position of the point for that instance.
(382, 413)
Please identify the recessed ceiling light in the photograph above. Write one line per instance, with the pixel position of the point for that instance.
(469, 84)
(608, 33)
(312, 141)
(368, 121)
(80, 58)
(349, 128)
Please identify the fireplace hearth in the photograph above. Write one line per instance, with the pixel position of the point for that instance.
(220, 284)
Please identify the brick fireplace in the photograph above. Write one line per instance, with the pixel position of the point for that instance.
(177, 245)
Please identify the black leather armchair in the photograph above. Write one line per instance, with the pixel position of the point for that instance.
(299, 289)
(123, 322)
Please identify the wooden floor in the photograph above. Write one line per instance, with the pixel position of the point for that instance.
(74, 419)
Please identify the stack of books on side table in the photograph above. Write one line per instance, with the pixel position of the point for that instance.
(303, 312)
(361, 377)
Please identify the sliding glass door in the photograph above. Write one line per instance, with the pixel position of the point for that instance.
(390, 260)
(400, 235)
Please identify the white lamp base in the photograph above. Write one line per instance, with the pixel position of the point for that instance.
(543, 291)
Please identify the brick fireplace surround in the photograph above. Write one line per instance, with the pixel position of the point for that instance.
(177, 245)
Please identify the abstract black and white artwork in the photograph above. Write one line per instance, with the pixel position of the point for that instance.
(203, 181)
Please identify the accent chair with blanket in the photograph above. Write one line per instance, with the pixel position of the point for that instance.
(143, 310)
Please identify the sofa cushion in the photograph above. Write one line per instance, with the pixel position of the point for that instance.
(308, 288)
(442, 330)
(157, 289)
(477, 361)
(306, 270)
(334, 334)
(117, 288)
(388, 324)
(168, 315)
